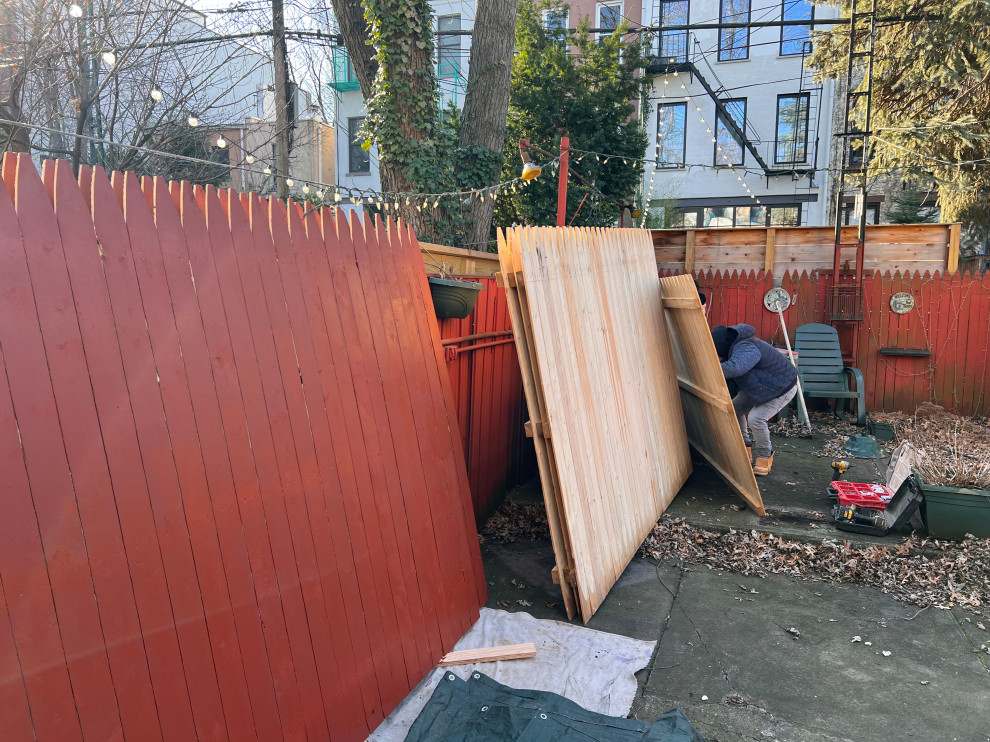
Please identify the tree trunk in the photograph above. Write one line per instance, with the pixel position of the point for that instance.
(414, 76)
(486, 106)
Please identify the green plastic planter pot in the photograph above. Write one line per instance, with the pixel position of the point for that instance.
(952, 512)
(454, 299)
(880, 431)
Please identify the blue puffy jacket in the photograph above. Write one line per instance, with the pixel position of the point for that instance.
(759, 369)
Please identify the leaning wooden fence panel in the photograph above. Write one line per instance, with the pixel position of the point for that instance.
(602, 395)
(711, 423)
(234, 492)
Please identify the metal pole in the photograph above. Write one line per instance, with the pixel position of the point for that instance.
(565, 156)
(802, 408)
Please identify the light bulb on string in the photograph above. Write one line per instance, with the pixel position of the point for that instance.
(305, 189)
(249, 159)
(193, 121)
(319, 194)
(337, 197)
(221, 142)
(75, 11)
(109, 58)
(290, 182)
(156, 94)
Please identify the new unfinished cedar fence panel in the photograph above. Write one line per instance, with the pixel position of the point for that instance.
(709, 417)
(602, 395)
(888, 247)
(937, 352)
(235, 498)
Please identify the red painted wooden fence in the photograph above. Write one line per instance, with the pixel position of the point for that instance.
(484, 373)
(951, 319)
(235, 504)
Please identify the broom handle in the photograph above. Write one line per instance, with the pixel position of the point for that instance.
(802, 409)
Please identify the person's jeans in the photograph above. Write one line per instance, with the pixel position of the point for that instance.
(758, 416)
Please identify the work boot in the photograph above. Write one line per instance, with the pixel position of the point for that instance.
(763, 465)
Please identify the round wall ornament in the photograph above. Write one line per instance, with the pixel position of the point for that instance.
(901, 303)
(776, 296)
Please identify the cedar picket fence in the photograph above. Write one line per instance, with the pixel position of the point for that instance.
(951, 320)
(235, 505)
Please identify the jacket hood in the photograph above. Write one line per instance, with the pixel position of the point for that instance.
(744, 331)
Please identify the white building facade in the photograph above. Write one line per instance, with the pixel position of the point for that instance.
(740, 134)
(356, 167)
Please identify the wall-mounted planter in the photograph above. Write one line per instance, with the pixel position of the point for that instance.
(952, 512)
(453, 299)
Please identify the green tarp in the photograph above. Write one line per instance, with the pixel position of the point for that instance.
(480, 709)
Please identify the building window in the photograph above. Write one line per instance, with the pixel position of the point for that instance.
(673, 44)
(729, 149)
(733, 43)
(449, 48)
(792, 128)
(851, 216)
(358, 158)
(609, 15)
(785, 216)
(555, 22)
(794, 38)
(671, 135)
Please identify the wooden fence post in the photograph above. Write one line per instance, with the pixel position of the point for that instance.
(689, 251)
(952, 259)
(771, 252)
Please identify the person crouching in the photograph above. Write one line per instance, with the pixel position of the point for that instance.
(766, 380)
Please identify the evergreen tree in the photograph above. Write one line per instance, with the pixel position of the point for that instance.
(587, 89)
(931, 95)
(908, 209)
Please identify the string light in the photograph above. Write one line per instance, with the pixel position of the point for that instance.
(156, 94)
(75, 11)
(221, 142)
(290, 182)
(193, 121)
(267, 171)
(249, 159)
(305, 189)
(109, 59)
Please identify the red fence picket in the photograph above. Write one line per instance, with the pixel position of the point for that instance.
(950, 320)
(235, 502)
(484, 373)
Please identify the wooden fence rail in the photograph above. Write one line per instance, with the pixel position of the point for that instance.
(234, 499)
(888, 247)
(948, 331)
(484, 373)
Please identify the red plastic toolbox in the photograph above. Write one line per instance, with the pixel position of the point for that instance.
(874, 496)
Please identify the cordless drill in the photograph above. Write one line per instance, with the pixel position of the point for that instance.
(840, 468)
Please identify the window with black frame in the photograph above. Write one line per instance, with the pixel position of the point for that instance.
(784, 216)
(792, 128)
(358, 158)
(673, 44)
(671, 135)
(794, 38)
(733, 43)
(729, 149)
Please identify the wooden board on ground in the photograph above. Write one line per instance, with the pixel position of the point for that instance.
(489, 654)
(597, 370)
(708, 415)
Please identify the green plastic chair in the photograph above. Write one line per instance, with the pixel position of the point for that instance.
(822, 373)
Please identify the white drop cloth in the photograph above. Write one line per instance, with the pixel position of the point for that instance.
(592, 668)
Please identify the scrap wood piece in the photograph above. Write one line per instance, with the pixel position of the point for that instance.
(597, 368)
(489, 654)
(708, 415)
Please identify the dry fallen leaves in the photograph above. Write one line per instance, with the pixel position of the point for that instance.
(515, 521)
(919, 572)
